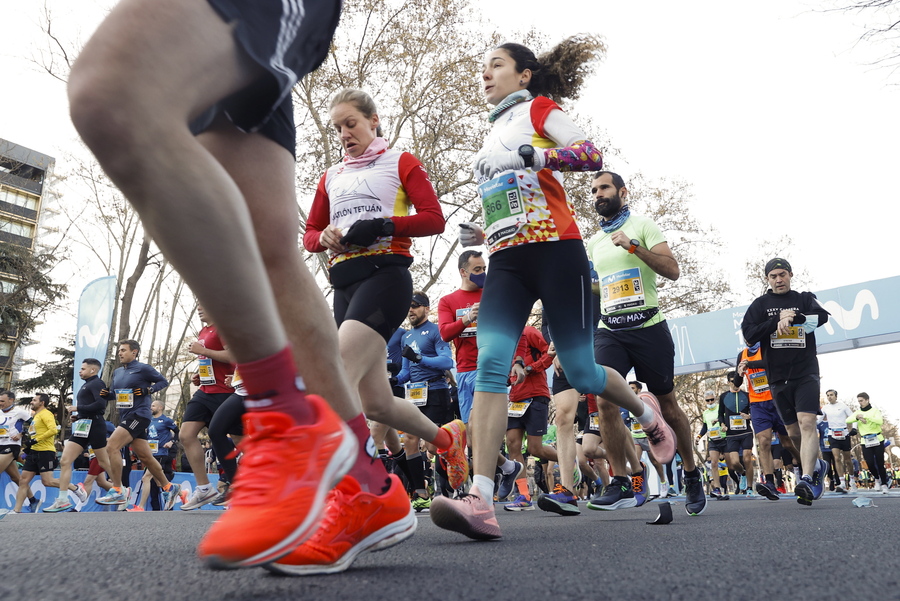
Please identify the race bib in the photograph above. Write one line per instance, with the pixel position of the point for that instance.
(622, 290)
(636, 427)
(417, 393)
(81, 428)
(871, 440)
(795, 338)
(737, 423)
(471, 329)
(504, 211)
(517, 409)
(838, 434)
(716, 432)
(759, 381)
(154, 446)
(124, 398)
(205, 369)
(4, 432)
(594, 422)
(826, 442)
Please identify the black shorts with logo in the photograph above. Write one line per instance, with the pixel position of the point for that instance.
(38, 462)
(287, 38)
(10, 449)
(136, 426)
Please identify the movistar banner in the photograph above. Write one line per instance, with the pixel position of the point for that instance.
(860, 316)
(95, 312)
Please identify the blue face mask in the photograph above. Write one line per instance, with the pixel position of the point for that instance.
(478, 278)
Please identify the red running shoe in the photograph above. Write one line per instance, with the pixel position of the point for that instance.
(354, 522)
(278, 495)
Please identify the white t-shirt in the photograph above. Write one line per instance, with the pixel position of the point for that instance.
(11, 422)
(836, 415)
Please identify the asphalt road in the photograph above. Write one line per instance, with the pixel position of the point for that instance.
(738, 549)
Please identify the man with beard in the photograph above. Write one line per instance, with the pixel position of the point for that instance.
(628, 253)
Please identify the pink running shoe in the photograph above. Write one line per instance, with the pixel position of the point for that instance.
(660, 436)
(470, 515)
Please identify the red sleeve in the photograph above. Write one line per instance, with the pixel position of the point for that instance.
(448, 325)
(535, 340)
(429, 219)
(319, 217)
(540, 108)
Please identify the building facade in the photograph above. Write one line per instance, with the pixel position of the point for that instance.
(23, 173)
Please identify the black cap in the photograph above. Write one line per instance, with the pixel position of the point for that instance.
(777, 263)
(421, 299)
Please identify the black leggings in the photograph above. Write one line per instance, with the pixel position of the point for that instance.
(874, 457)
(227, 420)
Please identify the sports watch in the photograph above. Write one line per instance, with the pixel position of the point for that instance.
(635, 243)
(526, 151)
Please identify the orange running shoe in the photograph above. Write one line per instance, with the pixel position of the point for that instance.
(278, 495)
(454, 458)
(354, 522)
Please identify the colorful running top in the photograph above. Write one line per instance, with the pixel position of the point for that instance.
(388, 187)
(525, 206)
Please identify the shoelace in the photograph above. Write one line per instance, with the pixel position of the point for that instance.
(655, 435)
(330, 517)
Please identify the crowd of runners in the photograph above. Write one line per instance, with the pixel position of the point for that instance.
(187, 106)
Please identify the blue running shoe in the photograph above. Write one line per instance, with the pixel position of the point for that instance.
(560, 501)
(804, 491)
(508, 481)
(115, 496)
(520, 504)
(768, 490)
(639, 486)
(743, 484)
(818, 479)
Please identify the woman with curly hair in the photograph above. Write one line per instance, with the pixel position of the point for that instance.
(536, 254)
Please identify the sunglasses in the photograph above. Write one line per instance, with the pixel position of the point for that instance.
(414, 305)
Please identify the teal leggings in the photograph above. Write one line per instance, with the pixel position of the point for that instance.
(558, 274)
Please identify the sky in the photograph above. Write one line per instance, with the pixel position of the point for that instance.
(772, 112)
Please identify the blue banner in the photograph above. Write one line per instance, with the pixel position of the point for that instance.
(861, 315)
(46, 496)
(95, 313)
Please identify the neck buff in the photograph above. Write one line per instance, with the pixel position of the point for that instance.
(617, 220)
(514, 98)
(376, 148)
(866, 408)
